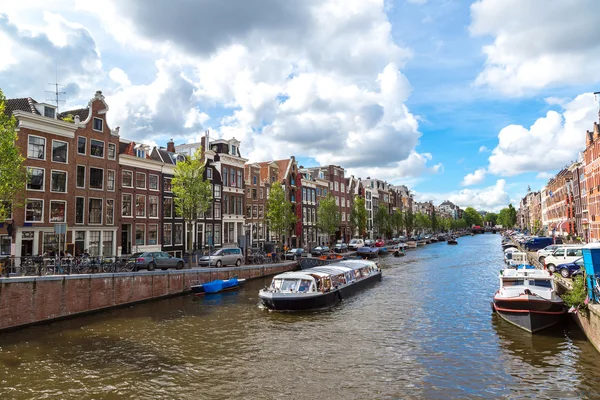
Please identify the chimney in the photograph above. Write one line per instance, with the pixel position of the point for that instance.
(171, 146)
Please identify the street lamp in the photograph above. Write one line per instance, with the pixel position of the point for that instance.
(247, 238)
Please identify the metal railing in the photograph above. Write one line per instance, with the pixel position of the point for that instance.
(42, 266)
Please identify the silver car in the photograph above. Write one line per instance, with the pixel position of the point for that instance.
(221, 257)
(151, 260)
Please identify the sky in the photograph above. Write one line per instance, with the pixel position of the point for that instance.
(467, 101)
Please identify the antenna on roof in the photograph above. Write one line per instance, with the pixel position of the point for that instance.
(597, 98)
(56, 92)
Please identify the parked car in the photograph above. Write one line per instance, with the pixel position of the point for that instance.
(369, 242)
(548, 250)
(294, 254)
(537, 243)
(379, 243)
(151, 260)
(563, 255)
(221, 257)
(569, 269)
(319, 251)
(341, 247)
(355, 244)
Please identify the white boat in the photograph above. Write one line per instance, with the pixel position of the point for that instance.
(411, 244)
(527, 298)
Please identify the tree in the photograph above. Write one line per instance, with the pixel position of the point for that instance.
(492, 218)
(434, 221)
(409, 221)
(358, 216)
(13, 174)
(280, 212)
(512, 213)
(507, 216)
(193, 193)
(398, 221)
(472, 217)
(381, 220)
(328, 216)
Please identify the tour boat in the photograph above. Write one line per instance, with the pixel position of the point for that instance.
(367, 252)
(217, 286)
(318, 287)
(527, 298)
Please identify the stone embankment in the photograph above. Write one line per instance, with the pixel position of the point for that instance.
(32, 300)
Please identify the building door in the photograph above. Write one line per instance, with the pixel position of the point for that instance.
(126, 239)
(26, 247)
(199, 236)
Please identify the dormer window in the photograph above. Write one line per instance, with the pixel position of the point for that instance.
(234, 150)
(49, 112)
(98, 124)
(140, 153)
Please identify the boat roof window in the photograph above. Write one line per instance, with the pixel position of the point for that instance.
(289, 285)
(540, 283)
(513, 282)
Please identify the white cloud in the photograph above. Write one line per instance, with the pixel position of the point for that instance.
(544, 175)
(417, 1)
(491, 198)
(537, 43)
(483, 149)
(549, 144)
(474, 178)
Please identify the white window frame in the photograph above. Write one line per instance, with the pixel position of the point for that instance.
(209, 173)
(52, 151)
(157, 182)
(90, 211)
(113, 211)
(103, 148)
(145, 205)
(42, 217)
(84, 147)
(43, 180)
(217, 191)
(164, 243)
(182, 234)
(94, 123)
(90, 180)
(50, 212)
(337, 201)
(342, 187)
(135, 234)
(136, 180)
(343, 216)
(77, 176)
(171, 184)
(75, 208)
(45, 147)
(157, 206)
(108, 171)
(336, 186)
(122, 174)
(148, 235)
(66, 180)
(108, 151)
(132, 205)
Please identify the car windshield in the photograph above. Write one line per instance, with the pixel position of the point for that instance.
(353, 241)
(579, 262)
(136, 255)
(217, 252)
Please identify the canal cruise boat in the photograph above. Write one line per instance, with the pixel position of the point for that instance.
(527, 298)
(319, 287)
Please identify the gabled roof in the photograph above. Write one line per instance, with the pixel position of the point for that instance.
(22, 104)
(81, 112)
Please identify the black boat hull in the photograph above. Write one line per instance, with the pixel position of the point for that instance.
(530, 315)
(306, 302)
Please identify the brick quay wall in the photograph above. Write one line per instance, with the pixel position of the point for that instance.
(32, 300)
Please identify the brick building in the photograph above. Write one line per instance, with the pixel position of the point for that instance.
(591, 156)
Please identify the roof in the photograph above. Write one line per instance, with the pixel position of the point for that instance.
(22, 104)
(83, 113)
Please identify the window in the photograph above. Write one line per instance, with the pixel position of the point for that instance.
(304, 194)
(314, 215)
(140, 234)
(96, 178)
(260, 211)
(343, 216)
(153, 182)
(5, 242)
(112, 151)
(255, 211)
(81, 145)
(343, 187)
(140, 153)
(248, 211)
(225, 176)
(234, 150)
(152, 234)
(209, 234)
(96, 148)
(239, 205)
(217, 208)
(336, 186)
(58, 211)
(36, 148)
(168, 207)
(98, 123)
(80, 181)
(217, 234)
(110, 211)
(95, 211)
(178, 239)
(59, 151)
(249, 192)
(34, 210)
(110, 180)
(79, 210)
(167, 234)
(58, 181)
(36, 178)
(107, 243)
(153, 206)
(254, 197)
(337, 201)
(140, 205)
(140, 180)
(208, 173)
(49, 112)
(94, 243)
(254, 179)
(261, 193)
(167, 184)
(304, 215)
(127, 178)
(217, 191)
(126, 210)
(239, 179)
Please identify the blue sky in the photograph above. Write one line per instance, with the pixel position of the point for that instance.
(470, 101)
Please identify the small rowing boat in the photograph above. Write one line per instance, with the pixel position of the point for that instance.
(217, 286)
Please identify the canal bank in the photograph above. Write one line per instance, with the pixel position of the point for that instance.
(32, 300)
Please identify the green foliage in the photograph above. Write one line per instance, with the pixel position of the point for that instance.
(13, 174)
(422, 221)
(507, 216)
(382, 220)
(445, 223)
(328, 216)
(69, 118)
(398, 221)
(434, 221)
(409, 221)
(193, 194)
(280, 212)
(358, 216)
(472, 217)
(576, 297)
(492, 218)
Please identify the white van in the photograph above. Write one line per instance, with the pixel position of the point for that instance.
(548, 250)
(563, 255)
(355, 244)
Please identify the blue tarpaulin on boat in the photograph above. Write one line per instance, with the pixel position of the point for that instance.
(219, 284)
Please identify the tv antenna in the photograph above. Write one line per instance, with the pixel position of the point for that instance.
(56, 92)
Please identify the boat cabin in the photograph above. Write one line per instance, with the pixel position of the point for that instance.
(517, 281)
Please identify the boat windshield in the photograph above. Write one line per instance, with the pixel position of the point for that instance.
(276, 285)
(540, 283)
(289, 285)
(304, 286)
(513, 282)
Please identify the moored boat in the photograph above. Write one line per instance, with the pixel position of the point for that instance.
(411, 244)
(383, 250)
(367, 252)
(318, 287)
(217, 286)
(331, 256)
(527, 298)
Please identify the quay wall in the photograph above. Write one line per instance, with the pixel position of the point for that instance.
(32, 300)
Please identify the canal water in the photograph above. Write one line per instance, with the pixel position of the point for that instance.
(425, 331)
